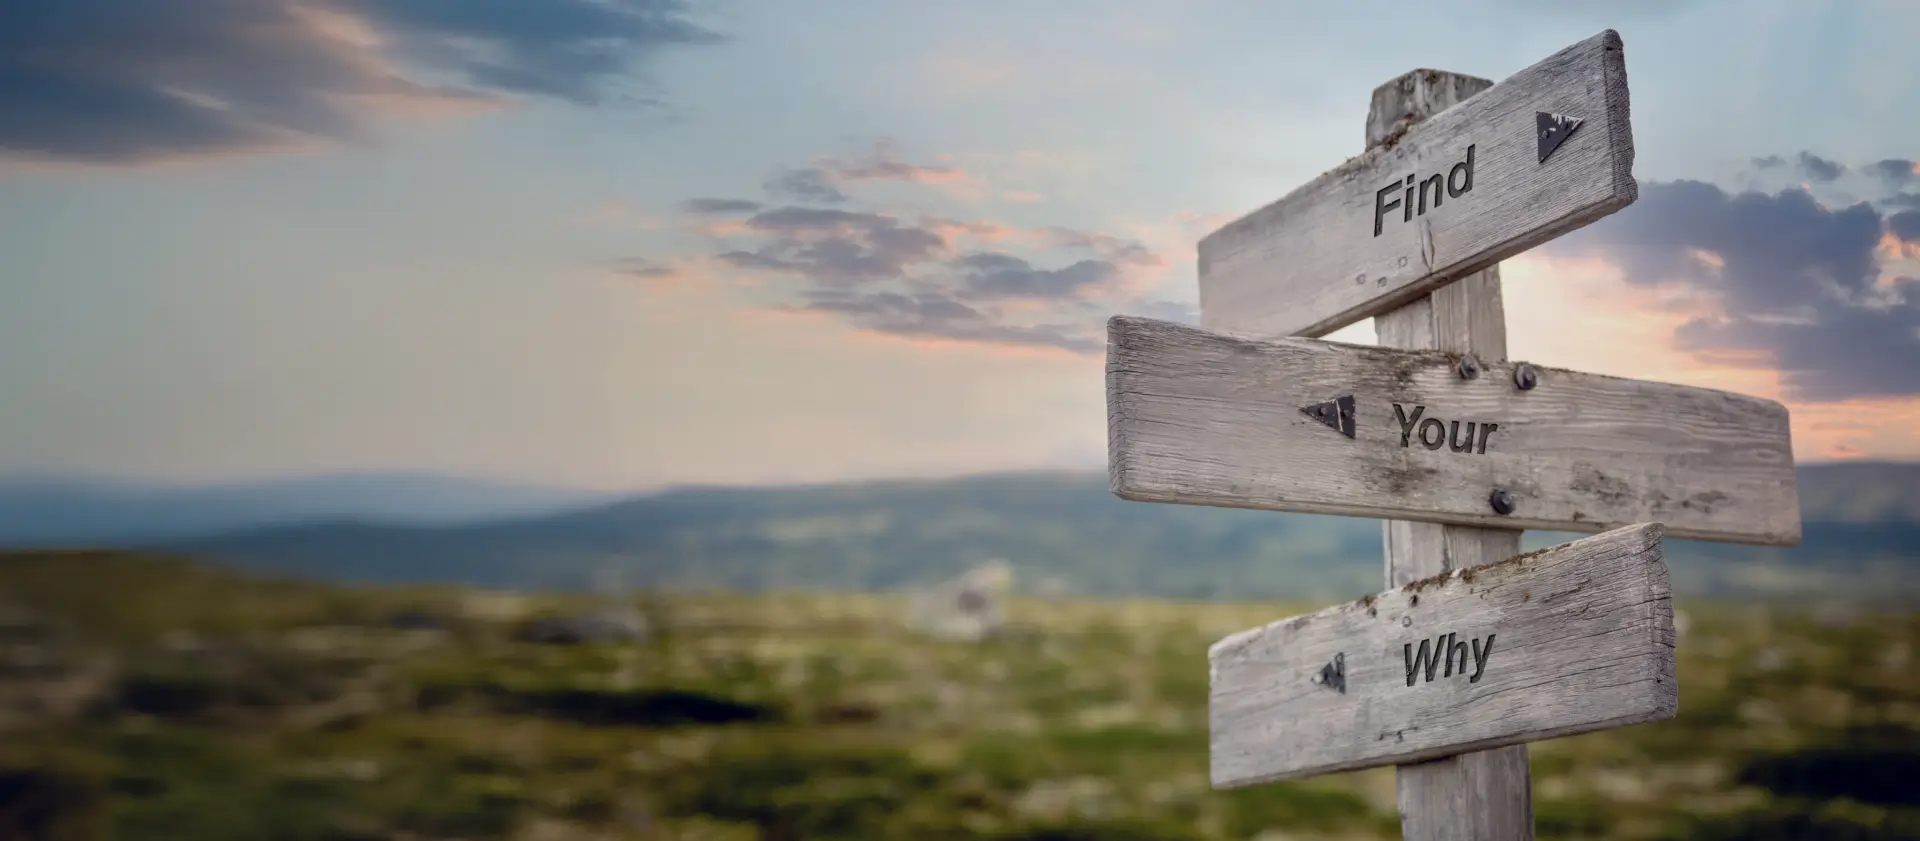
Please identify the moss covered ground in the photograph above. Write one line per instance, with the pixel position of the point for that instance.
(148, 698)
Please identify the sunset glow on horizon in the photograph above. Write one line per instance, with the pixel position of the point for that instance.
(748, 246)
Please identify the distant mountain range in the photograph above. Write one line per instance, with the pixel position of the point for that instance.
(72, 511)
(1862, 536)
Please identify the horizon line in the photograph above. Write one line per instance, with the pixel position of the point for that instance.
(121, 483)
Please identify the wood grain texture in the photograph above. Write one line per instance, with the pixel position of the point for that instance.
(1483, 795)
(1566, 640)
(1199, 418)
(1311, 263)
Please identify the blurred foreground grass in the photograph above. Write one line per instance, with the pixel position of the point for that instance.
(143, 698)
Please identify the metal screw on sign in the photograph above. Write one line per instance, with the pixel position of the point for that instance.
(1502, 501)
(1525, 376)
(1469, 367)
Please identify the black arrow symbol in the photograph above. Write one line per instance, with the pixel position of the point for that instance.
(1337, 414)
(1553, 129)
(1334, 674)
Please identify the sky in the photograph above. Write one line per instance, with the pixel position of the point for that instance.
(621, 244)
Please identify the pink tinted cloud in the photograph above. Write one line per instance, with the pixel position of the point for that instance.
(1003, 350)
(268, 142)
(361, 84)
(255, 77)
(716, 228)
(1583, 314)
(358, 44)
(885, 340)
(1857, 429)
(425, 104)
(937, 281)
(1804, 284)
(1894, 248)
(885, 161)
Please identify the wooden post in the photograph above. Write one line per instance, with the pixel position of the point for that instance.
(1488, 795)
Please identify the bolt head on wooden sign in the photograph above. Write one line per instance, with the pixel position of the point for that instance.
(1566, 640)
(1545, 152)
(1319, 427)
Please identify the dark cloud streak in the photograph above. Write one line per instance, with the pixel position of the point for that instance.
(882, 273)
(1905, 226)
(830, 247)
(935, 315)
(820, 184)
(565, 50)
(990, 275)
(1812, 166)
(1789, 277)
(808, 185)
(643, 268)
(912, 278)
(1896, 172)
(883, 162)
(719, 207)
(1819, 168)
(126, 81)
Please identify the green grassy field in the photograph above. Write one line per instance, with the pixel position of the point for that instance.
(143, 698)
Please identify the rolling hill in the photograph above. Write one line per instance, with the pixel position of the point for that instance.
(52, 511)
(1862, 538)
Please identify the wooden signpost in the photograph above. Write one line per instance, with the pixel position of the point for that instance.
(1475, 649)
(1547, 151)
(1329, 428)
(1566, 640)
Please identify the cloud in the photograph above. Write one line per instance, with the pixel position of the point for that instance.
(1003, 276)
(1885, 183)
(1820, 169)
(1896, 172)
(834, 247)
(134, 81)
(811, 184)
(885, 275)
(882, 161)
(1811, 165)
(1905, 226)
(719, 207)
(1782, 275)
(563, 49)
(821, 250)
(1116, 249)
(643, 269)
(927, 314)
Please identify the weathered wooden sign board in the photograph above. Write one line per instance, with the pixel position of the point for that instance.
(1544, 152)
(1460, 451)
(1566, 640)
(1328, 428)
